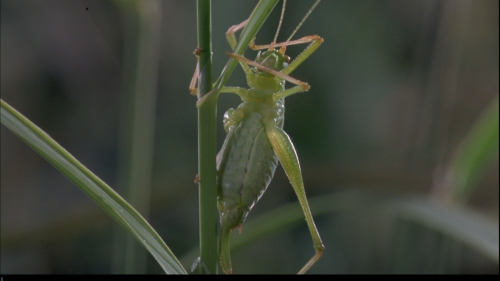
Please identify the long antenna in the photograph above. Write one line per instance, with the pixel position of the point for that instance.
(281, 21)
(303, 20)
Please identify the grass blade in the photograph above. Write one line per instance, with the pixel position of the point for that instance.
(477, 150)
(461, 224)
(93, 186)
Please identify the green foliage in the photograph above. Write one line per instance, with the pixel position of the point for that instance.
(477, 150)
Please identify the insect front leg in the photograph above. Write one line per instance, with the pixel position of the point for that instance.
(283, 147)
(231, 39)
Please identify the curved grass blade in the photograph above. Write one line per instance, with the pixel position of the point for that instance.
(93, 186)
(461, 224)
(478, 149)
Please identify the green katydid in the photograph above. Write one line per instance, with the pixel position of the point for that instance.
(256, 141)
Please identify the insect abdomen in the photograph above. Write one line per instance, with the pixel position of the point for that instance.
(247, 170)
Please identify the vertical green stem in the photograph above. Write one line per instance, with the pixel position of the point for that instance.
(207, 127)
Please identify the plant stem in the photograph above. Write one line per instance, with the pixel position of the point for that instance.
(207, 127)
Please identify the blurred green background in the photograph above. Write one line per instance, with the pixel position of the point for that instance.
(395, 88)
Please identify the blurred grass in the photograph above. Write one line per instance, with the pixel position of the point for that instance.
(477, 150)
(141, 65)
(455, 224)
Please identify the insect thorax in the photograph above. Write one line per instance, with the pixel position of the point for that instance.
(264, 86)
(272, 59)
(271, 113)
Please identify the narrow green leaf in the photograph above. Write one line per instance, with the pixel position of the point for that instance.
(459, 223)
(478, 149)
(93, 186)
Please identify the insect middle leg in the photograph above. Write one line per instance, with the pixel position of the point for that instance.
(234, 116)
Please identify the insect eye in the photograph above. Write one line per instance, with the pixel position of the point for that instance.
(287, 59)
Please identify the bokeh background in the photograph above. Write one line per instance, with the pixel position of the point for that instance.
(395, 88)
